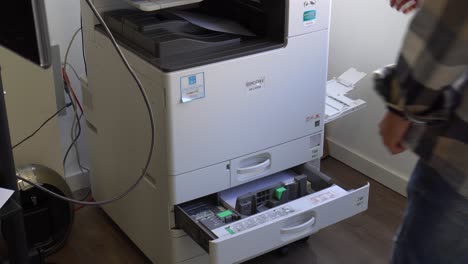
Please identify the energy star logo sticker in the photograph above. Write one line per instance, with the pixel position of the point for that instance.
(192, 80)
(192, 87)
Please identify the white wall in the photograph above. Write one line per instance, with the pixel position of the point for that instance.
(366, 34)
(29, 102)
(64, 20)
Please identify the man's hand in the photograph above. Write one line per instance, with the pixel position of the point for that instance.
(405, 6)
(393, 129)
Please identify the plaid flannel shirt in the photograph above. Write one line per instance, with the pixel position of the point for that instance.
(428, 86)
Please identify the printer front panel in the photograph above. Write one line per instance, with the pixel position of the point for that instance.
(306, 16)
(226, 110)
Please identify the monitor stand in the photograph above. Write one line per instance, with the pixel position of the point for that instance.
(11, 214)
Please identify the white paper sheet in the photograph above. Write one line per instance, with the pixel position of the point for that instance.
(214, 23)
(5, 194)
(337, 104)
(351, 77)
(230, 196)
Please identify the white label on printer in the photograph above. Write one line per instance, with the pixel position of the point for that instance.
(323, 197)
(254, 86)
(192, 87)
(313, 119)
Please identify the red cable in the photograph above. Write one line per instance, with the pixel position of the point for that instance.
(67, 80)
(79, 208)
(82, 206)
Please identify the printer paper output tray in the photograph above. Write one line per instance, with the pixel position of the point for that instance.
(337, 104)
(252, 236)
(174, 39)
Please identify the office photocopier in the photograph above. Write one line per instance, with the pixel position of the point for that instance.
(239, 94)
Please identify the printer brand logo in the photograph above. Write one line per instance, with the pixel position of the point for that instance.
(255, 85)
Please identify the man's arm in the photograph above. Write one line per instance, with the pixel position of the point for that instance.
(433, 56)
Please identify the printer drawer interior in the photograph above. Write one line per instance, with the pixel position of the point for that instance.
(287, 207)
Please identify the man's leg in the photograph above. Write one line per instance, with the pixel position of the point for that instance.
(435, 227)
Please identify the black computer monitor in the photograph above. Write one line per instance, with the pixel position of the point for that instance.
(23, 29)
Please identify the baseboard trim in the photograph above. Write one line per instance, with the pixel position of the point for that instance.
(78, 181)
(368, 167)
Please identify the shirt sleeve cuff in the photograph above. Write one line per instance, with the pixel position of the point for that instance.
(397, 112)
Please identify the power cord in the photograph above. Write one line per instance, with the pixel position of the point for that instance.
(41, 126)
(73, 143)
(83, 46)
(70, 44)
(150, 114)
(75, 133)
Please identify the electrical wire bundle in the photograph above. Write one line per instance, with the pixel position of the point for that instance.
(76, 129)
(76, 126)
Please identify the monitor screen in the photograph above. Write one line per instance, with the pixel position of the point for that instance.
(23, 29)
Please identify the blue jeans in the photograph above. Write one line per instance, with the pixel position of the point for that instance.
(435, 227)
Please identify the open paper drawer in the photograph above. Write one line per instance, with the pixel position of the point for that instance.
(337, 103)
(243, 238)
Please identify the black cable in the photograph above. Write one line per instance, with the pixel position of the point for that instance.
(43, 124)
(77, 135)
(83, 46)
(65, 66)
(69, 148)
(73, 134)
(79, 130)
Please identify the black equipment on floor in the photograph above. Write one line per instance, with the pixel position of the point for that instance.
(48, 221)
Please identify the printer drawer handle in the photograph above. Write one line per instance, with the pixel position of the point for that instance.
(255, 168)
(299, 228)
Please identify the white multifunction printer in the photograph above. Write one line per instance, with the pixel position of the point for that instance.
(239, 92)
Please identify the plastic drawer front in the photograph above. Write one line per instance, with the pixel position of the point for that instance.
(251, 236)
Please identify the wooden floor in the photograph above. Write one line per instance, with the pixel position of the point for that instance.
(365, 238)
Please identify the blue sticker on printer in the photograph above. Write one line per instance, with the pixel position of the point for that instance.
(192, 87)
(310, 17)
(192, 80)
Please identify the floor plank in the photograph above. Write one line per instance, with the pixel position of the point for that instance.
(365, 238)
